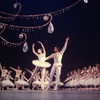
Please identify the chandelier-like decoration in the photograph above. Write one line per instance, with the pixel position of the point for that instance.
(45, 18)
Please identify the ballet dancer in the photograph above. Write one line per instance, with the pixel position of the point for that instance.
(40, 64)
(57, 56)
(37, 82)
(7, 83)
(4, 72)
(21, 82)
(18, 73)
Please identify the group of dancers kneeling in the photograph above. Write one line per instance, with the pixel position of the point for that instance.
(81, 79)
(85, 79)
(20, 81)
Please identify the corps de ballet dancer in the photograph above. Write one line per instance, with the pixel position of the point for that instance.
(18, 73)
(37, 82)
(21, 82)
(57, 56)
(46, 82)
(4, 72)
(7, 83)
(40, 63)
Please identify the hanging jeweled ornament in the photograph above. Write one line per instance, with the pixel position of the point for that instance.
(1, 26)
(86, 1)
(21, 35)
(45, 18)
(25, 47)
(50, 28)
(15, 5)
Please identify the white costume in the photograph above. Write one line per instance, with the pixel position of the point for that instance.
(7, 82)
(59, 83)
(57, 65)
(18, 73)
(37, 82)
(46, 82)
(41, 62)
(4, 72)
(22, 82)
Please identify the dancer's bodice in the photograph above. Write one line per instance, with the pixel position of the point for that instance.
(41, 58)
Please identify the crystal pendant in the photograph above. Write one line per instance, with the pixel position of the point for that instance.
(25, 47)
(50, 28)
(21, 36)
(45, 18)
(86, 1)
(1, 26)
(15, 5)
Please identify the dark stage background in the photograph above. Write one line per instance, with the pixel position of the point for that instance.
(81, 23)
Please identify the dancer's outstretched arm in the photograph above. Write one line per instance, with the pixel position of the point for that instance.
(24, 77)
(28, 70)
(34, 50)
(11, 77)
(0, 67)
(49, 57)
(44, 51)
(65, 46)
(13, 69)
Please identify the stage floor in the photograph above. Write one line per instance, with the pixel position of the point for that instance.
(49, 95)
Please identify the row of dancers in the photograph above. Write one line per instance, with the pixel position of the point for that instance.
(21, 82)
(41, 64)
(86, 78)
(81, 79)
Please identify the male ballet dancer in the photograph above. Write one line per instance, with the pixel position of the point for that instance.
(57, 56)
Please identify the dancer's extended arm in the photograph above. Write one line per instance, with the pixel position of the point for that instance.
(44, 51)
(34, 50)
(65, 46)
(13, 69)
(0, 67)
(49, 57)
(28, 70)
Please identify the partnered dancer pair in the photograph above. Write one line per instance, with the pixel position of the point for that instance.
(41, 64)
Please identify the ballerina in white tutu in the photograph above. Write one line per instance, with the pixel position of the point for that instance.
(18, 73)
(21, 82)
(7, 83)
(4, 72)
(37, 81)
(40, 63)
(46, 82)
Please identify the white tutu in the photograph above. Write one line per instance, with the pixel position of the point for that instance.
(59, 83)
(69, 83)
(96, 81)
(82, 82)
(46, 82)
(40, 64)
(37, 82)
(88, 82)
(22, 82)
(7, 83)
(76, 83)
